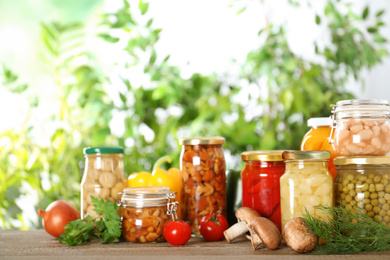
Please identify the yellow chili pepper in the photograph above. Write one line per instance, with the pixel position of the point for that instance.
(159, 177)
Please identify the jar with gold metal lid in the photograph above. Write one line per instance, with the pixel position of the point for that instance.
(306, 184)
(103, 176)
(260, 183)
(145, 212)
(202, 163)
(364, 182)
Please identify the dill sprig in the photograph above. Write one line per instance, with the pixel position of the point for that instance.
(348, 231)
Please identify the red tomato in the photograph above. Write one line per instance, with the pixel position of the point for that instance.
(177, 232)
(213, 226)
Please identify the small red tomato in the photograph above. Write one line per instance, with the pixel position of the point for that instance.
(177, 232)
(213, 226)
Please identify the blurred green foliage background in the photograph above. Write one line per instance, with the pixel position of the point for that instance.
(169, 105)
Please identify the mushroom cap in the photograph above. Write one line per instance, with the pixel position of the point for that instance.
(297, 237)
(267, 231)
(246, 214)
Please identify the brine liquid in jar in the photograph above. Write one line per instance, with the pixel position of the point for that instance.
(103, 176)
(306, 184)
(260, 183)
(202, 163)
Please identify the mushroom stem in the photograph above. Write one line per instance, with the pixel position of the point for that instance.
(235, 231)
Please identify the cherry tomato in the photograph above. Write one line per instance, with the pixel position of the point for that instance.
(213, 226)
(177, 232)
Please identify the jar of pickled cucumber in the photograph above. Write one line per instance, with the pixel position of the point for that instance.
(103, 176)
(306, 184)
(364, 182)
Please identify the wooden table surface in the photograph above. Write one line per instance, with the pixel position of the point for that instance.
(16, 244)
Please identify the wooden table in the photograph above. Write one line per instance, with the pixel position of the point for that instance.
(16, 244)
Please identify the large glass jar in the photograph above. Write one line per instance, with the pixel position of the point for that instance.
(144, 212)
(306, 184)
(103, 176)
(318, 138)
(362, 127)
(202, 163)
(260, 183)
(365, 182)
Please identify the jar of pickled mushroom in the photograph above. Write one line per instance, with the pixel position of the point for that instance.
(144, 212)
(362, 127)
(306, 184)
(260, 183)
(103, 176)
(202, 163)
(318, 138)
(364, 181)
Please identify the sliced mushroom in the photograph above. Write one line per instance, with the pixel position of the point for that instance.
(264, 233)
(244, 215)
(297, 236)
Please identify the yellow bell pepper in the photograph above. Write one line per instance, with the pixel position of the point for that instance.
(159, 177)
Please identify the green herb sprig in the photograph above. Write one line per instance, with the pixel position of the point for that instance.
(348, 231)
(107, 227)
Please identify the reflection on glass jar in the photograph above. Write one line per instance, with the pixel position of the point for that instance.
(306, 184)
(202, 163)
(260, 183)
(144, 213)
(362, 127)
(365, 182)
(103, 176)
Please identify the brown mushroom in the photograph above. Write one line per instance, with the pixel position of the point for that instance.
(297, 236)
(264, 234)
(244, 216)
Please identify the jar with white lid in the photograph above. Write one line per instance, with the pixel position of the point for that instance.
(144, 212)
(362, 127)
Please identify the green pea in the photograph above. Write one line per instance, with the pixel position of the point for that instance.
(377, 179)
(371, 188)
(374, 202)
(379, 187)
(387, 189)
(371, 214)
(358, 183)
(352, 193)
(382, 201)
(348, 198)
(382, 212)
(381, 194)
(386, 206)
(370, 181)
(371, 176)
(366, 194)
(342, 195)
(345, 182)
(384, 181)
(350, 186)
(373, 195)
(368, 207)
(378, 218)
(366, 201)
(376, 209)
(362, 178)
(387, 196)
(349, 177)
(365, 187)
(386, 218)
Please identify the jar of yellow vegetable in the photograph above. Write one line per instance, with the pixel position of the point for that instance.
(103, 176)
(306, 184)
(364, 181)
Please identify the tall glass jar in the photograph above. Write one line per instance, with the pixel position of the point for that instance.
(144, 212)
(260, 183)
(103, 176)
(306, 184)
(202, 163)
(364, 181)
(362, 127)
(318, 138)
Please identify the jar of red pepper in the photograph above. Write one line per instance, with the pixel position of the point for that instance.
(260, 183)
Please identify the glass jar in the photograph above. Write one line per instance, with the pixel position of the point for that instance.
(362, 127)
(318, 138)
(145, 212)
(202, 163)
(365, 182)
(103, 176)
(306, 184)
(260, 183)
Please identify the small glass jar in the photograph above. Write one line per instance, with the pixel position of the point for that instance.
(306, 184)
(260, 183)
(144, 212)
(362, 127)
(318, 138)
(103, 176)
(364, 182)
(202, 163)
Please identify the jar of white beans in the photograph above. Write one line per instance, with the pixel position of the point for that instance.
(362, 127)
(306, 184)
